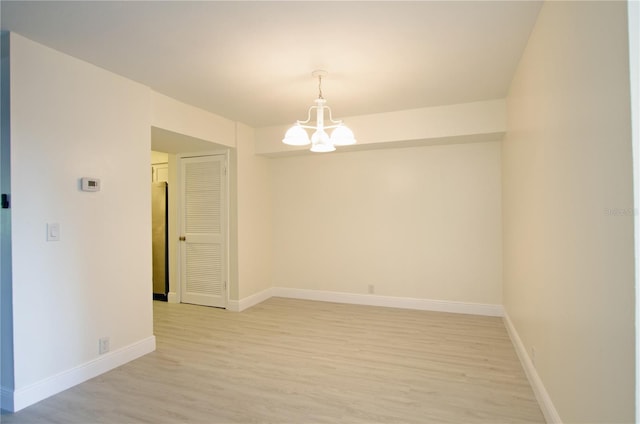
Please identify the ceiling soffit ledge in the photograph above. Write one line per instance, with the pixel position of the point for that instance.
(452, 124)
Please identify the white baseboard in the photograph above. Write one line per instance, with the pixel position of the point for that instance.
(544, 400)
(23, 397)
(249, 301)
(173, 297)
(389, 301)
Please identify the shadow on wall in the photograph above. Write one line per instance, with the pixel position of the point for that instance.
(6, 310)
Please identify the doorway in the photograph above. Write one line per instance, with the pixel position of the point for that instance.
(160, 224)
(175, 147)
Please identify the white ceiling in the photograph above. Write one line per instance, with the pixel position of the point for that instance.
(251, 61)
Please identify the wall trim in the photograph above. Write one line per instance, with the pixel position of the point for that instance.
(173, 297)
(249, 301)
(390, 301)
(21, 398)
(368, 299)
(544, 400)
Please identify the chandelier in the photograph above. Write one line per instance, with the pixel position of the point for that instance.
(320, 140)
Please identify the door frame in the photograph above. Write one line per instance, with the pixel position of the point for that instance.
(176, 296)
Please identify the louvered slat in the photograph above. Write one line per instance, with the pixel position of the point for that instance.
(204, 263)
(202, 198)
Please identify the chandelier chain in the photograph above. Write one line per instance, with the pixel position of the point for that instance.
(320, 87)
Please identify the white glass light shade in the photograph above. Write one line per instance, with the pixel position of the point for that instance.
(296, 136)
(342, 136)
(320, 142)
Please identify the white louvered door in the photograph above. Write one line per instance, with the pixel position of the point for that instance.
(202, 249)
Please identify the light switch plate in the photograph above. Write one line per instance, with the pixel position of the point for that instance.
(53, 231)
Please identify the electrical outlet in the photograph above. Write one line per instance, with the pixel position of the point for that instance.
(103, 345)
(372, 289)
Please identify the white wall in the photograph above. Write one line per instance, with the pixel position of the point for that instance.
(173, 231)
(190, 121)
(420, 222)
(254, 216)
(568, 210)
(634, 79)
(70, 119)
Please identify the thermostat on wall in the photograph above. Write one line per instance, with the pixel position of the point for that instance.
(90, 184)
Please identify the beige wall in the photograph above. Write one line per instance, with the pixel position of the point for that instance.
(159, 157)
(421, 222)
(190, 121)
(253, 216)
(70, 119)
(567, 208)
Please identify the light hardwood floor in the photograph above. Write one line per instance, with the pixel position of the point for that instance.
(297, 361)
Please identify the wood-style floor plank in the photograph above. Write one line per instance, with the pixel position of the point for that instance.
(297, 361)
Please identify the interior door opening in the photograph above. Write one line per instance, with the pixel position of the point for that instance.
(160, 224)
(168, 150)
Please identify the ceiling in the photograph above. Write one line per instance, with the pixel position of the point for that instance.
(251, 61)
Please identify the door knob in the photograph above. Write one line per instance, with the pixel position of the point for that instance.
(182, 238)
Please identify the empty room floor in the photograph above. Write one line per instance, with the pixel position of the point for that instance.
(299, 361)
